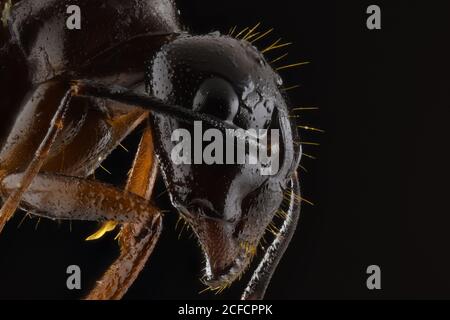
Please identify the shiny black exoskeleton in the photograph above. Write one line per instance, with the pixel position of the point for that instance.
(228, 205)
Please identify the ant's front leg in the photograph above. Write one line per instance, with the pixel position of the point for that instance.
(71, 198)
(62, 197)
(54, 132)
(136, 240)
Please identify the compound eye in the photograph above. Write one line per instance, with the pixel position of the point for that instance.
(218, 98)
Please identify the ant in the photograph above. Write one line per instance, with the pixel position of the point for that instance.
(71, 96)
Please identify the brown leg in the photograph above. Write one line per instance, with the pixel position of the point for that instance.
(74, 150)
(71, 198)
(56, 124)
(136, 240)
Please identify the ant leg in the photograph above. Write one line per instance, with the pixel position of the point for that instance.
(136, 240)
(56, 124)
(61, 197)
(259, 282)
(80, 136)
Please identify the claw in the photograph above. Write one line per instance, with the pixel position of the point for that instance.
(106, 227)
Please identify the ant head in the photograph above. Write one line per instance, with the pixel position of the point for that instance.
(228, 203)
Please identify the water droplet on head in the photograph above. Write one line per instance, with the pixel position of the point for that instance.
(261, 62)
(279, 80)
(215, 34)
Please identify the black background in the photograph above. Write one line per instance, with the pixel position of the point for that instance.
(379, 184)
